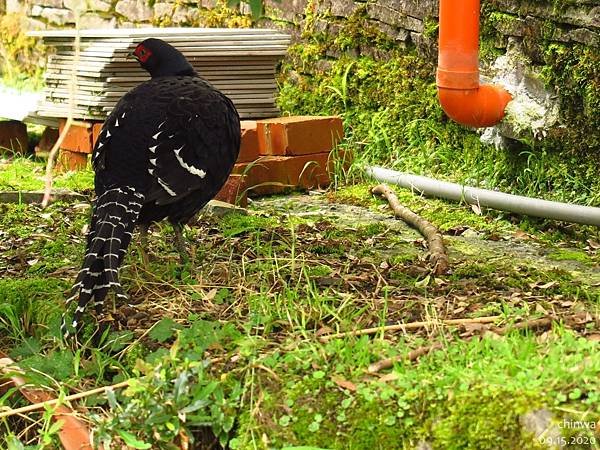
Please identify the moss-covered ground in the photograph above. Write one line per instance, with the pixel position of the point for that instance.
(234, 340)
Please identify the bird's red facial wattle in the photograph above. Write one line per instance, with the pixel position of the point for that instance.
(142, 53)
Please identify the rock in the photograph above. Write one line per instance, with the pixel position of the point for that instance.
(134, 10)
(540, 423)
(13, 136)
(219, 209)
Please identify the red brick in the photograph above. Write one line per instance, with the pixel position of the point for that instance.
(71, 161)
(249, 145)
(78, 138)
(96, 129)
(273, 174)
(234, 191)
(13, 136)
(299, 135)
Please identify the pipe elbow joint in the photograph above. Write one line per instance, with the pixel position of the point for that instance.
(483, 106)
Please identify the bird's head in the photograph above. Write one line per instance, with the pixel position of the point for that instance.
(161, 59)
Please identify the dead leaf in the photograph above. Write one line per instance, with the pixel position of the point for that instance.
(323, 330)
(210, 295)
(389, 377)
(476, 209)
(344, 384)
(520, 234)
(424, 282)
(546, 285)
(594, 245)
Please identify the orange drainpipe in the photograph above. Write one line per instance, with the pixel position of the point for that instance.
(462, 97)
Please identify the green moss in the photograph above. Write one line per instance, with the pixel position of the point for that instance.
(471, 395)
(570, 255)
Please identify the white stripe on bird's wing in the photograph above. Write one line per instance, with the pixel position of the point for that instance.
(153, 148)
(191, 169)
(156, 135)
(166, 187)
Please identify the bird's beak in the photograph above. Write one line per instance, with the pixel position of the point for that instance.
(131, 55)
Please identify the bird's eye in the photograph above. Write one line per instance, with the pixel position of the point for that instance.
(142, 52)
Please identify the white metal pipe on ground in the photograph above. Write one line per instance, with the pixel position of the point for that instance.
(566, 212)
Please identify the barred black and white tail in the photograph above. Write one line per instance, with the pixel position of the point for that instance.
(115, 213)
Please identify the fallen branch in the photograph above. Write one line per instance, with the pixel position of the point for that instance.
(532, 324)
(411, 356)
(409, 326)
(435, 242)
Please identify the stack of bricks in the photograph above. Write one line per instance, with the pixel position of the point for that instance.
(275, 154)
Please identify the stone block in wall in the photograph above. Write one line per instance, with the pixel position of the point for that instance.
(426, 45)
(36, 11)
(534, 27)
(100, 6)
(91, 20)
(343, 8)
(58, 16)
(134, 10)
(176, 13)
(401, 36)
(50, 3)
(289, 10)
(33, 24)
(385, 14)
(583, 15)
(419, 9)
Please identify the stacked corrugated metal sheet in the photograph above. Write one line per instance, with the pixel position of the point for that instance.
(239, 62)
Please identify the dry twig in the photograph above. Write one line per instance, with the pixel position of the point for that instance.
(77, 11)
(410, 326)
(435, 242)
(68, 398)
(413, 355)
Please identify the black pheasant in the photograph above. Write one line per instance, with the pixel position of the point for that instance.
(165, 150)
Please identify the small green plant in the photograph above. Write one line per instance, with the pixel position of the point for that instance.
(175, 398)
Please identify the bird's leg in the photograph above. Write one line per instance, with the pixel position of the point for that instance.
(144, 243)
(179, 243)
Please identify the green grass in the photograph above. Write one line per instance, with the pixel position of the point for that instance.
(228, 345)
(25, 174)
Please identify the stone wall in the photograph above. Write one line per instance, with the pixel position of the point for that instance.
(378, 28)
(47, 14)
(405, 21)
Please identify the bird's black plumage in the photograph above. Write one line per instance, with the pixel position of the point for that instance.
(165, 150)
